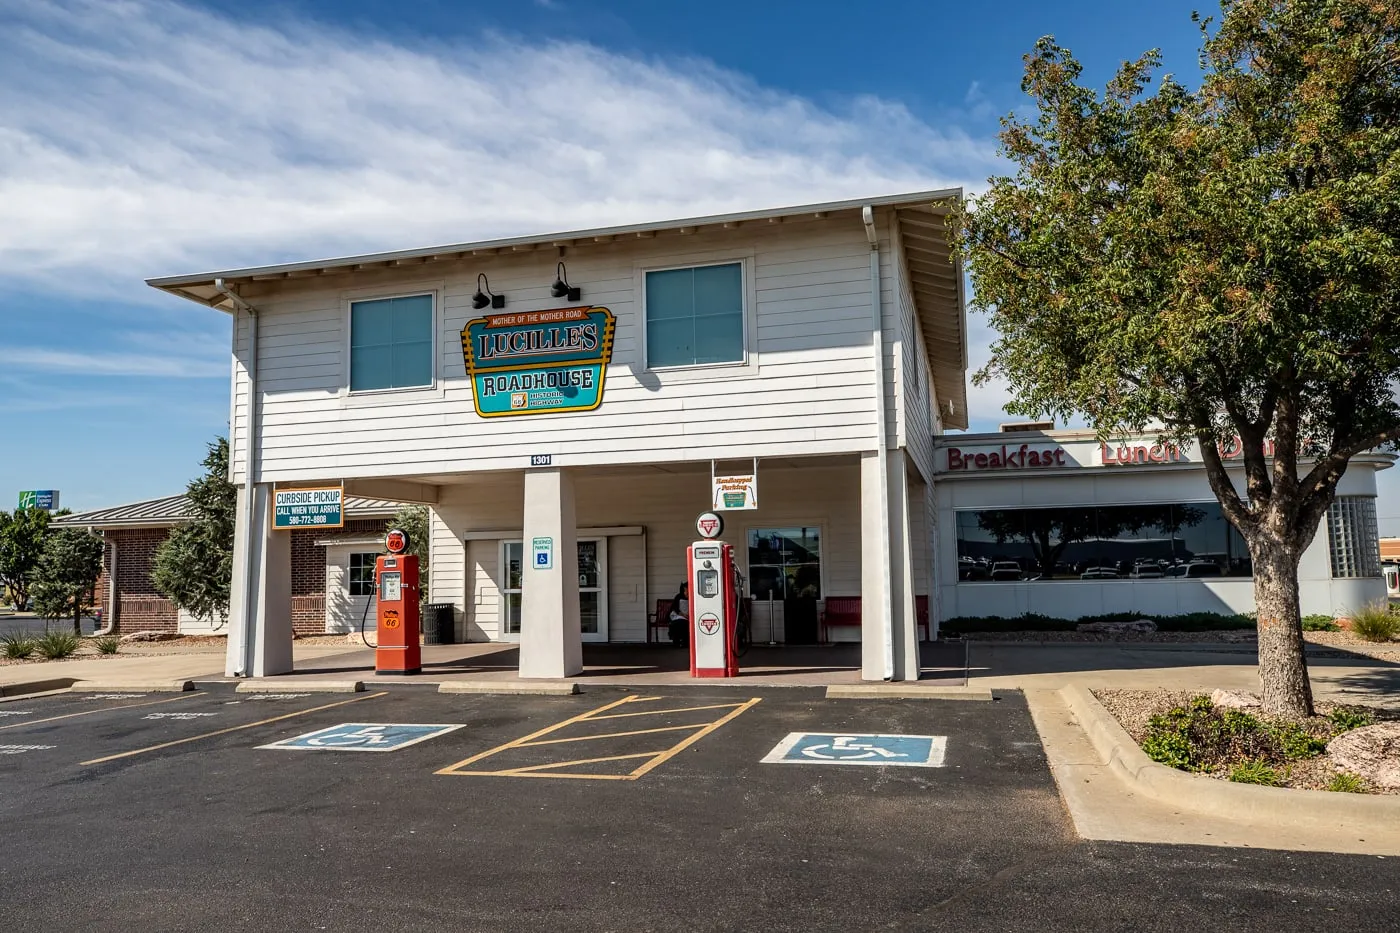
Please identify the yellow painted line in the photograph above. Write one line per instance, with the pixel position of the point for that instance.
(100, 709)
(249, 725)
(576, 761)
(660, 712)
(607, 735)
(686, 743)
(452, 769)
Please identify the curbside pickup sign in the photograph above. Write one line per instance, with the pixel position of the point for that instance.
(322, 507)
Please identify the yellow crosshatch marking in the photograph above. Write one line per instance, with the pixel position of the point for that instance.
(654, 758)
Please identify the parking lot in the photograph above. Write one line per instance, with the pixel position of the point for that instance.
(403, 809)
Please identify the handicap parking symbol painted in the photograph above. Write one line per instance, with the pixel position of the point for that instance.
(366, 736)
(851, 748)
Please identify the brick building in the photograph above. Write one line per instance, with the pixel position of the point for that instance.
(330, 580)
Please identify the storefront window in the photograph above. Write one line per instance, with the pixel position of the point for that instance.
(784, 563)
(1137, 542)
(1354, 537)
(362, 574)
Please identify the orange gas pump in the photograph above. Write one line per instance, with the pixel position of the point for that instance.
(396, 582)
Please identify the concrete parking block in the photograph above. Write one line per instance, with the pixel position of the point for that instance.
(506, 687)
(300, 686)
(904, 691)
(107, 686)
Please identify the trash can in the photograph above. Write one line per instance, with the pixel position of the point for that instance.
(439, 623)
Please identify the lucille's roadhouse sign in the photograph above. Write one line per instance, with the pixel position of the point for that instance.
(538, 362)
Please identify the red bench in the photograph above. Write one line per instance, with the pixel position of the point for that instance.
(662, 620)
(844, 612)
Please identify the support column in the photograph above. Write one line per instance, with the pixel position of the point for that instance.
(550, 641)
(260, 597)
(889, 645)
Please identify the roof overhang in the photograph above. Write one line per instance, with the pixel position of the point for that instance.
(936, 280)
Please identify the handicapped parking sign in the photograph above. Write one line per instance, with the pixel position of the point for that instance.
(366, 737)
(856, 748)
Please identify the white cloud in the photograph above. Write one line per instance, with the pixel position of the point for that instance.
(141, 137)
(45, 360)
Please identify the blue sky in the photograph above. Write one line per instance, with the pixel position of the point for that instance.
(142, 137)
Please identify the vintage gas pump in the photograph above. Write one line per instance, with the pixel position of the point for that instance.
(714, 601)
(396, 580)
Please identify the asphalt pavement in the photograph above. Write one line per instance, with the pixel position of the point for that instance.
(611, 810)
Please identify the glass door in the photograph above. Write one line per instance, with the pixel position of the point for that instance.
(592, 588)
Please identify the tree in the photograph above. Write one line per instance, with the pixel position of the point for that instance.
(194, 565)
(65, 580)
(414, 520)
(21, 543)
(1217, 262)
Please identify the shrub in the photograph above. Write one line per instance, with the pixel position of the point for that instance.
(16, 646)
(1254, 771)
(1203, 737)
(107, 644)
(1320, 623)
(1203, 622)
(54, 645)
(1346, 718)
(1346, 783)
(1375, 623)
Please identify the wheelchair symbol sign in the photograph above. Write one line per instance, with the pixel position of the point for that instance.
(366, 737)
(854, 748)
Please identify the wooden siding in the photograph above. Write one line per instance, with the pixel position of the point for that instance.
(808, 388)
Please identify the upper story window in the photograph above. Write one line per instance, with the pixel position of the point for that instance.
(391, 343)
(695, 316)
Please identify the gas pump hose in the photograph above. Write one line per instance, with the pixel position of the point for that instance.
(363, 617)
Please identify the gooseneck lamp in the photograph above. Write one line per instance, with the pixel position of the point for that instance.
(484, 296)
(561, 287)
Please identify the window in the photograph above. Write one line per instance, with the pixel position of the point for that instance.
(695, 316)
(391, 343)
(1355, 540)
(785, 562)
(512, 557)
(362, 574)
(1135, 542)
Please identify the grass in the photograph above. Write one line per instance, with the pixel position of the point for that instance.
(16, 646)
(107, 644)
(1254, 771)
(1375, 623)
(1204, 737)
(55, 644)
(1346, 783)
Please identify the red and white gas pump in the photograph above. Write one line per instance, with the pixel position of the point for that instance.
(396, 581)
(714, 602)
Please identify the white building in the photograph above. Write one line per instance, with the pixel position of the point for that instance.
(823, 343)
(1061, 524)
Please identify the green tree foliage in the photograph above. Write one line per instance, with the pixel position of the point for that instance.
(21, 543)
(194, 565)
(414, 520)
(1222, 261)
(65, 579)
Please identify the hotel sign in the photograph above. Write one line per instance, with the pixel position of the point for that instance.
(538, 362)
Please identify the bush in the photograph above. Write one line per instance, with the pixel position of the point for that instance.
(1030, 622)
(1320, 623)
(16, 646)
(1202, 737)
(1204, 622)
(1375, 623)
(1034, 622)
(1346, 718)
(1254, 771)
(1345, 783)
(107, 644)
(54, 645)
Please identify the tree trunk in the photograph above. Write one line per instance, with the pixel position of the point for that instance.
(1283, 669)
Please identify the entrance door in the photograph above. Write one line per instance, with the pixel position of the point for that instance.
(592, 588)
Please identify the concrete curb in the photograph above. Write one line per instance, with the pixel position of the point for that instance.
(26, 687)
(897, 691)
(506, 687)
(106, 686)
(305, 686)
(1302, 809)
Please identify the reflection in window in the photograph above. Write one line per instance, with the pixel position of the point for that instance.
(1139, 542)
(1354, 537)
(362, 574)
(785, 562)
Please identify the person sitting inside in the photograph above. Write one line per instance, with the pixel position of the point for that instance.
(679, 616)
